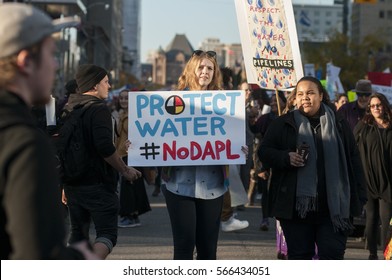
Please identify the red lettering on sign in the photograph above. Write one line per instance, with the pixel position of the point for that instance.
(211, 150)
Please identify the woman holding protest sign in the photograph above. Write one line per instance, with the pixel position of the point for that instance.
(194, 194)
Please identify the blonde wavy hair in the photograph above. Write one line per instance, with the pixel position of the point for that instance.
(189, 80)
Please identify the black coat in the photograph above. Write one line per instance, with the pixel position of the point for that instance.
(97, 123)
(279, 140)
(31, 215)
(375, 148)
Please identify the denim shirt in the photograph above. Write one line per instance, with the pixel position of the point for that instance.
(204, 182)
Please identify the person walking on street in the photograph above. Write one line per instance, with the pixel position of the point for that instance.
(229, 221)
(354, 111)
(259, 127)
(133, 196)
(31, 215)
(303, 148)
(374, 138)
(93, 196)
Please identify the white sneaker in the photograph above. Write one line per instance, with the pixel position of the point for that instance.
(233, 224)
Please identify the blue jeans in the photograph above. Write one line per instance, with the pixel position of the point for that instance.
(301, 238)
(97, 203)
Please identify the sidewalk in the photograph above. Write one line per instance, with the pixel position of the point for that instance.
(153, 239)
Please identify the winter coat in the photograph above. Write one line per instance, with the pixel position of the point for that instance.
(375, 148)
(31, 215)
(279, 140)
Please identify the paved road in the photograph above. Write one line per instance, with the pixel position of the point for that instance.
(153, 239)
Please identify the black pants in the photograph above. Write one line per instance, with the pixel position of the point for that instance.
(264, 198)
(377, 210)
(97, 203)
(301, 238)
(194, 222)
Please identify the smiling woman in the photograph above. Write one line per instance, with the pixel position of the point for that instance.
(374, 138)
(312, 205)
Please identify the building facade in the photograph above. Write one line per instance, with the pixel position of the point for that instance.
(315, 22)
(380, 13)
(131, 37)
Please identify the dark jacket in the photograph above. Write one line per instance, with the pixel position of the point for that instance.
(352, 113)
(97, 123)
(31, 214)
(279, 140)
(375, 148)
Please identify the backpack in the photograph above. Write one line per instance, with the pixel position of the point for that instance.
(73, 153)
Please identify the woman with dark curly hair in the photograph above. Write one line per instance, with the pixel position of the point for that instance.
(374, 138)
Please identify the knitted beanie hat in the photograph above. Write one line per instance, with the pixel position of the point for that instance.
(88, 76)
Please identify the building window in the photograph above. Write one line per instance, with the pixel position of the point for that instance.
(317, 13)
(381, 14)
(316, 22)
(327, 22)
(328, 14)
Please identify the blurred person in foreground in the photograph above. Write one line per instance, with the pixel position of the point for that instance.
(315, 194)
(31, 216)
(374, 138)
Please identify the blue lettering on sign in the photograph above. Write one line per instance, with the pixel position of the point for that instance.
(219, 111)
(202, 104)
(192, 97)
(217, 124)
(233, 96)
(147, 128)
(179, 126)
(209, 103)
(199, 123)
(169, 127)
(183, 122)
(205, 102)
(153, 103)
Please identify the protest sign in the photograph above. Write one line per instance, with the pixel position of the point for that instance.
(387, 91)
(334, 85)
(269, 43)
(175, 128)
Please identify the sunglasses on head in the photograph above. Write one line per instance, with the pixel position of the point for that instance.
(211, 54)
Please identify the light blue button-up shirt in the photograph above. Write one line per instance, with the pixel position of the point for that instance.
(204, 182)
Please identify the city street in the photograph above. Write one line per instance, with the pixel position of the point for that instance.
(153, 239)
